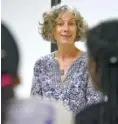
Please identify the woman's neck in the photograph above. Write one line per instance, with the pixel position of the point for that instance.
(67, 51)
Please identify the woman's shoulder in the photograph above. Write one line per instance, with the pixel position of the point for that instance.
(81, 61)
(83, 57)
(44, 59)
(43, 63)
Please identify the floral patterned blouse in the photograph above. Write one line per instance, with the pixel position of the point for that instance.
(75, 91)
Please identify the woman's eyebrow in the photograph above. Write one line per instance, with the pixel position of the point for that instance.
(60, 19)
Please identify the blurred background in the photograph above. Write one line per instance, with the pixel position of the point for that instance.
(22, 18)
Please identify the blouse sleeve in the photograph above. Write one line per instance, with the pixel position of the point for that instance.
(36, 88)
(92, 95)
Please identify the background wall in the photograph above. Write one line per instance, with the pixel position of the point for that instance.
(22, 17)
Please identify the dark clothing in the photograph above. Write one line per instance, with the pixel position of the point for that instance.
(97, 114)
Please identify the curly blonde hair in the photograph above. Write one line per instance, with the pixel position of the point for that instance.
(49, 22)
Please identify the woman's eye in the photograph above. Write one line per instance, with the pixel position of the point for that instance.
(72, 23)
(60, 24)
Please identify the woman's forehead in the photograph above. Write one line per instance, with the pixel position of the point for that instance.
(66, 16)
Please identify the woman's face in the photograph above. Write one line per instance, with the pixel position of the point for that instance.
(65, 29)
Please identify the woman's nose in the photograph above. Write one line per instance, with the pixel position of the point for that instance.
(66, 27)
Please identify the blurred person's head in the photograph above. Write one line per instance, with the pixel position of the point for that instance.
(102, 45)
(63, 25)
(9, 67)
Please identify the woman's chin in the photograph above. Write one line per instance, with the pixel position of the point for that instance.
(66, 42)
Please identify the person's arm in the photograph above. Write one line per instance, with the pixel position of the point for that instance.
(36, 88)
(92, 95)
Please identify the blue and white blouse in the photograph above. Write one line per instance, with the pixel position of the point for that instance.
(76, 90)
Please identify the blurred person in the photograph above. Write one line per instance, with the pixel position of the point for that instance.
(62, 75)
(23, 111)
(35, 110)
(102, 45)
(9, 68)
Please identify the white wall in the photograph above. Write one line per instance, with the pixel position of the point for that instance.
(93, 11)
(22, 17)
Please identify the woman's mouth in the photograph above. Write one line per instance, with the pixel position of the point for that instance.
(66, 36)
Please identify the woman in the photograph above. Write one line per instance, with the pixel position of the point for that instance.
(62, 75)
(103, 68)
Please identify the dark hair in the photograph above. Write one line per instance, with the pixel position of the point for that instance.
(102, 45)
